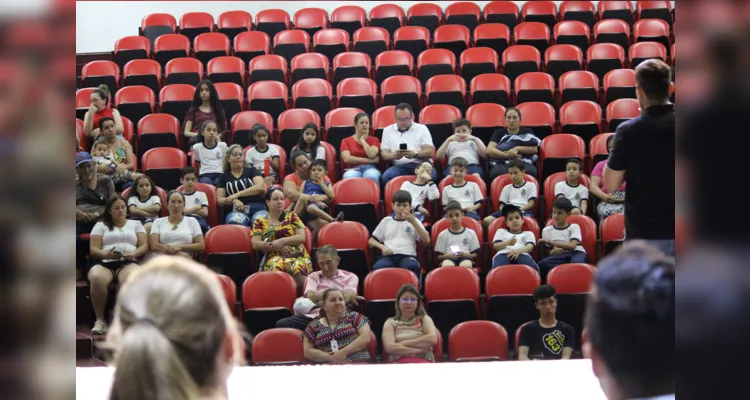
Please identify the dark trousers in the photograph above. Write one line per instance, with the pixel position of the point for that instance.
(502, 259)
(297, 322)
(399, 261)
(569, 257)
(202, 222)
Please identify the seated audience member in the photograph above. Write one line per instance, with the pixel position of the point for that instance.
(466, 193)
(317, 186)
(513, 143)
(281, 235)
(173, 336)
(456, 245)
(144, 203)
(196, 202)
(114, 155)
(337, 336)
(422, 189)
(462, 144)
(519, 193)
(571, 189)
(360, 152)
(513, 245)
(309, 142)
(546, 338)
(405, 143)
(409, 336)
(396, 236)
(176, 234)
(563, 239)
(609, 203)
(92, 193)
(329, 277)
(209, 153)
(293, 187)
(261, 154)
(205, 107)
(116, 244)
(240, 187)
(101, 108)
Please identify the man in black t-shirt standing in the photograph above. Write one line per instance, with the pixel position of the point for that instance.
(546, 338)
(643, 156)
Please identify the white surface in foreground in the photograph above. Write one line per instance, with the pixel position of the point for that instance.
(571, 379)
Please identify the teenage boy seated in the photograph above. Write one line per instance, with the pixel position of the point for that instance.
(546, 338)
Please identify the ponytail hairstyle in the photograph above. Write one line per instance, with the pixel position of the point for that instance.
(171, 333)
(302, 145)
(326, 293)
(257, 128)
(107, 217)
(103, 92)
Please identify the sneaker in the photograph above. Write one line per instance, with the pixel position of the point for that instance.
(100, 327)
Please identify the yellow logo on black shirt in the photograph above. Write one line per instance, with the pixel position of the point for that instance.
(554, 341)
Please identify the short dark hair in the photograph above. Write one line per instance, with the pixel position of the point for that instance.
(461, 122)
(562, 203)
(295, 154)
(187, 170)
(517, 164)
(105, 119)
(403, 106)
(459, 162)
(360, 116)
(319, 162)
(610, 138)
(510, 209)
(453, 205)
(401, 196)
(509, 109)
(654, 76)
(574, 161)
(544, 292)
(630, 317)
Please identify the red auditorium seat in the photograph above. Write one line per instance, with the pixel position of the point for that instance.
(478, 341)
(562, 58)
(540, 11)
(572, 282)
(540, 117)
(402, 89)
(549, 191)
(509, 299)
(613, 229)
(393, 63)
(193, 24)
(446, 89)
(652, 30)
(242, 125)
(535, 86)
(616, 10)
(339, 125)
(654, 9)
(387, 16)
(361, 93)
(131, 48)
(466, 222)
(619, 84)
(581, 118)
(371, 41)
(164, 165)
(574, 33)
(226, 69)
(213, 207)
(171, 46)
(484, 119)
(269, 96)
(640, 52)
(291, 43)
(231, 97)
(502, 12)
(290, 126)
(433, 62)
(620, 111)
(426, 15)
(351, 65)
(578, 85)
(452, 297)
(230, 292)
(604, 57)
(309, 65)
(278, 346)
(101, 72)
(142, 72)
(207, 46)
(534, 34)
(463, 13)
(314, 94)
(135, 102)
(519, 59)
(157, 130)
(439, 120)
(271, 22)
(490, 88)
(128, 133)
(359, 199)
(555, 150)
(612, 31)
(331, 42)
(381, 118)
(233, 23)
(588, 233)
(350, 240)
(251, 44)
(175, 100)
(477, 61)
(311, 20)
(412, 39)
(155, 25)
(266, 298)
(349, 18)
(185, 70)
(494, 36)
(393, 186)
(583, 11)
(598, 149)
(269, 67)
(455, 38)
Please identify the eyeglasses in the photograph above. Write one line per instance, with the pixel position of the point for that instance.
(403, 119)
(236, 154)
(409, 300)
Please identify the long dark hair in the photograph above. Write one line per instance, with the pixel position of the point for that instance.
(302, 145)
(326, 293)
(107, 217)
(134, 187)
(218, 110)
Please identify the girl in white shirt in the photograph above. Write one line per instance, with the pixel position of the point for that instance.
(209, 153)
(144, 203)
(176, 234)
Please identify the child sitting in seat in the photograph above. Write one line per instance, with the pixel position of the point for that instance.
(513, 245)
(316, 185)
(519, 193)
(423, 188)
(562, 238)
(456, 245)
(258, 154)
(196, 202)
(462, 144)
(468, 194)
(144, 203)
(571, 189)
(106, 164)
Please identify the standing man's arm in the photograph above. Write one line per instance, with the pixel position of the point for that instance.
(614, 171)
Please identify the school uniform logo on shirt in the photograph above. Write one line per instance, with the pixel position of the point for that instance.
(554, 341)
(408, 230)
(467, 193)
(523, 192)
(578, 196)
(196, 201)
(465, 242)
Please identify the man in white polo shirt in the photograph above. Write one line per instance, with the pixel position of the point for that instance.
(329, 276)
(417, 140)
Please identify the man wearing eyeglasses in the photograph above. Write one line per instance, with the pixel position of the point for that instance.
(406, 143)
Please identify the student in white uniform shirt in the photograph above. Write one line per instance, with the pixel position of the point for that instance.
(456, 245)
(196, 202)
(405, 143)
(519, 193)
(209, 153)
(176, 234)
(462, 144)
(562, 239)
(466, 193)
(257, 155)
(513, 245)
(422, 189)
(572, 189)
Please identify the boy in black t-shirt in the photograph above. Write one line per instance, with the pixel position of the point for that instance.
(546, 338)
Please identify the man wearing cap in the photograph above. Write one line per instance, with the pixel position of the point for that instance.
(92, 193)
(330, 276)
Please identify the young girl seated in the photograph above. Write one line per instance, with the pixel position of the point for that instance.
(144, 203)
(309, 142)
(316, 186)
(209, 153)
(258, 154)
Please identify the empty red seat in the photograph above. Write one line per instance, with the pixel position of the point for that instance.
(339, 125)
(164, 165)
(193, 24)
(350, 65)
(556, 150)
(269, 67)
(387, 16)
(175, 99)
(452, 296)
(135, 102)
(463, 13)
(477, 61)
(314, 94)
(494, 36)
(311, 20)
(534, 34)
(435, 62)
(232, 23)
(426, 15)
(578, 85)
(538, 116)
(519, 59)
(381, 118)
(654, 9)
(402, 89)
(242, 125)
(502, 12)
(439, 120)
(278, 346)
(613, 230)
(289, 44)
(478, 341)
(490, 88)
(309, 65)
(271, 22)
(582, 118)
(540, 11)
(620, 111)
(535, 86)
(455, 38)
(360, 198)
(583, 11)
(331, 42)
(640, 52)
(562, 58)
(185, 70)
(349, 18)
(157, 130)
(131, 48)
(266, 298)
(207, 46)
(652, 30)
(101, 72)
(622, 10)
(171, 46)
(269, 96)
(231, 97)
(361, 93)
(393, 63)
(619, 84)
(142, 72)
(248, 45)
(485, 118)
(412, 39)
(604, 57)
(371, 41)
(612, 31)
(575, 33)
(226, 69)
(156, 25)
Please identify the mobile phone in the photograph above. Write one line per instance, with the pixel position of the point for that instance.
(402, 146)
(455, 249)
(118, 253)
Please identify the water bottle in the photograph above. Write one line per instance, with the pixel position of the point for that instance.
(266, 167)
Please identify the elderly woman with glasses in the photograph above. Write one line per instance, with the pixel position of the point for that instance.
(409, 336)
(241, 188)
(176, 234)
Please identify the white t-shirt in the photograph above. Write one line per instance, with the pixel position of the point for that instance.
(196, 199)
(152, 201)
(573, 193)
(466, 240)
(518, 196)
(468, 150)
(468, 194)
(124, 240)
(572, 231)
(212, 159)
(184, 234)
(398, 235)
(257, 159)
(522, 239)
(320, 153)
(415, 137)
(420, 193)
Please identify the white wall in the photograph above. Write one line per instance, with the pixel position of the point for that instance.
(100, 23)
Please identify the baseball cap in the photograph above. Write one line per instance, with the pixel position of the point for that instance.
(303, 305)
(82, 157)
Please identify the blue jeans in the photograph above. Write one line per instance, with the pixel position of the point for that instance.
(473, 169)
(664, 245)
(209, 179)
(240, 218)
(202, 222)
(399, 261)
(368, 171)
(502, 259)
(401, 170)
(569, 257)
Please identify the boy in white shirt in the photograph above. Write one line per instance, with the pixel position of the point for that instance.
(462, 144)
(422, 189)
(196, 202)
(572, 189)
(513, 245)
(563, 239)
(397, 236)
(468, 194)
(519, 193)
(456, 245)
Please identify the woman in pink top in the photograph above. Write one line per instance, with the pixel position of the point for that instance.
(410, 336)
(609, 203)
(360, 152)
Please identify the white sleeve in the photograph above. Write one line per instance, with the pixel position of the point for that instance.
(444, 196)
(203, 199)
(223, 146)
(432, 192)
(426, 137)
(320, 153)
(500, 236)
(387, 138)
(474, 242)
(558, 188)
(547, 233)
(505, 195)
(529, 237)
(478, 196)
(440, 243)
(131, 201)
(195, 228)
(584, 192)
(575, 232)
(139, 227)
(99, 229)
(156, 226)
(534, 191)
(154, 200)
(196, 152)
(418, 238)
(379, 232)
(273, 152)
